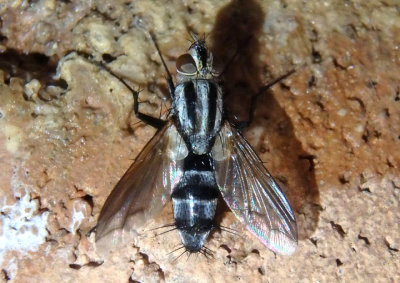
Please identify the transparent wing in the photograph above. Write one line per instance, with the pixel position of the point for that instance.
(251, 192)
(147, 185)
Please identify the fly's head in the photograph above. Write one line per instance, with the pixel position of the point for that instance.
(197, 63)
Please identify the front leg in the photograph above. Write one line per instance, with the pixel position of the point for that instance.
(170, 82)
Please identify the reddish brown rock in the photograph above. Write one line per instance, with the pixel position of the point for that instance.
(330, 133)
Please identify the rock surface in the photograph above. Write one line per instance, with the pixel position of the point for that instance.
(330, 132)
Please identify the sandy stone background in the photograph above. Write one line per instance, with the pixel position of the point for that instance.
(330, 132)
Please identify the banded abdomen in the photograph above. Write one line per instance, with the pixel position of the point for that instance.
(195, 201)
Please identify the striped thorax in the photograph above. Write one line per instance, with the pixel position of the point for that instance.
(197, 102)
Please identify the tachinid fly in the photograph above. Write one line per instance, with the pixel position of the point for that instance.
(195, 157)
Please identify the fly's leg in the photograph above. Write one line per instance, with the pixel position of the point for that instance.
(149, 120)
(152, 121)
(253, 104)
(170, 82)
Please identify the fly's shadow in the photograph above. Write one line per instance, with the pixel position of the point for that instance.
(235, 41)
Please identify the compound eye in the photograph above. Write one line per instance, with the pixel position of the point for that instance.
(185, 65)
